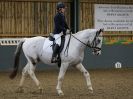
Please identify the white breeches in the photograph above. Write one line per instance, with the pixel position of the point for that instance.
(57, 39)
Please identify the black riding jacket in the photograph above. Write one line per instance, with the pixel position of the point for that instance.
(60, 24)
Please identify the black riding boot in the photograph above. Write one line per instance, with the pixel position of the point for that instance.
(55, 52)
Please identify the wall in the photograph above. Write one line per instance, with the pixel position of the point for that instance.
(110, 55)
(23, 18)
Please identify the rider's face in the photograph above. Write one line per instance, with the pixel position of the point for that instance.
(62, 10)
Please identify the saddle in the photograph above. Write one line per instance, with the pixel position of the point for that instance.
(51, 38)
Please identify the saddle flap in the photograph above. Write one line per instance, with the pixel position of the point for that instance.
(51, 37)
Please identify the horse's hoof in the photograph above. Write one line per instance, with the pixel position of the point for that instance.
(41, 91)
(20, 90)
(90, 90)
(60, 93)
(38, 91)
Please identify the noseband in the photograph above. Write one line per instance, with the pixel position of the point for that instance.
(93, 44)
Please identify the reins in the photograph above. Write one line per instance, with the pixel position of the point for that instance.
(67, 46)
(93, 43)
(98, 49)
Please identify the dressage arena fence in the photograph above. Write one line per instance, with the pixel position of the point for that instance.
(9, 41)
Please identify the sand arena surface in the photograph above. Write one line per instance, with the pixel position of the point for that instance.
(107, 84)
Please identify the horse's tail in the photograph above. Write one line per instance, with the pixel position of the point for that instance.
(16, 59)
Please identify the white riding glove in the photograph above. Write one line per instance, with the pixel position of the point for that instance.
(67, 31)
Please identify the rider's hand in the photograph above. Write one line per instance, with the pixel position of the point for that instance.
(67, 31)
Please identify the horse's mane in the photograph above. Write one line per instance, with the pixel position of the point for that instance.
(79, 32)
(84, 31)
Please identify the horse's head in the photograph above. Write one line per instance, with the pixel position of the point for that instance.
(96, 43)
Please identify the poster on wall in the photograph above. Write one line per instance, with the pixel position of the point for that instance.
(113, 17)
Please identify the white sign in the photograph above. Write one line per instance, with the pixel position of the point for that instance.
(113, 17)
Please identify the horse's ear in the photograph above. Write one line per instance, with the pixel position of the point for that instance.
(100, 30)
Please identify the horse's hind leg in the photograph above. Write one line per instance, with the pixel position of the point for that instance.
(86, 75)
(33, 76)
(24, 74)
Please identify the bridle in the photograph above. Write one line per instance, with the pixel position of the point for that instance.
(93, 44)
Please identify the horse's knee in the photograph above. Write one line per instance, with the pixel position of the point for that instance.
(24, 72)
(60, 78)
(86, 74)
(31, 73)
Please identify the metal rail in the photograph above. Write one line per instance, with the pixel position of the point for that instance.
(10, 41)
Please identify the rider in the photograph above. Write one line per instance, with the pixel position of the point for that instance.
(60, 28)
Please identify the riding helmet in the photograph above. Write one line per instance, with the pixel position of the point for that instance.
(60, 5)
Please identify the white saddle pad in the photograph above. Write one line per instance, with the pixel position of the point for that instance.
(47, 47)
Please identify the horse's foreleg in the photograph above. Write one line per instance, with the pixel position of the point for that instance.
(33, 76)
(86, 75)
(62, 72)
